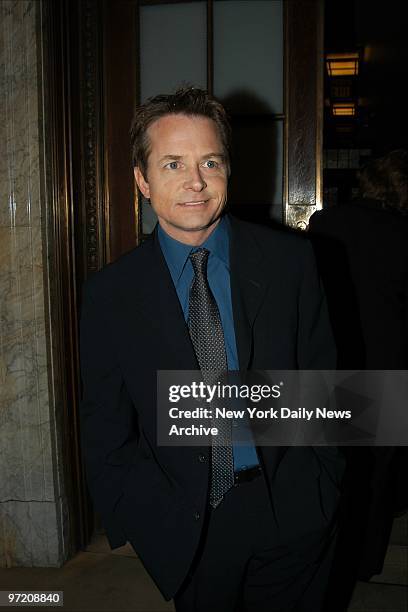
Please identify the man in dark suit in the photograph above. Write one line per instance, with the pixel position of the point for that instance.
(252, 528)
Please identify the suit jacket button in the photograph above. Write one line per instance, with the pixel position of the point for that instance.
(201, 458)
(196, 516)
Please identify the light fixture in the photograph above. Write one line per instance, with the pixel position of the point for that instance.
(344, 109)
(342, 64)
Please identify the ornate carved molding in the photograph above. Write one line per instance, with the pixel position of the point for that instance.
(92, 152)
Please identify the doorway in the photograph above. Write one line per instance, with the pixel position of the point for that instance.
(263, 59)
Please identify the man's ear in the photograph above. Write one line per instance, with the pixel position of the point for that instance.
(141, 182)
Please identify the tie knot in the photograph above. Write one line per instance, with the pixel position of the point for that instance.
(199, 259)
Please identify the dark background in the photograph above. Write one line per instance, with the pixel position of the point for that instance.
(379, 31)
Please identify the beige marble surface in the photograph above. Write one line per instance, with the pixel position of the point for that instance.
(30, 500)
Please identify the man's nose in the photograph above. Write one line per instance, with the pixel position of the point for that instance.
(195, 180)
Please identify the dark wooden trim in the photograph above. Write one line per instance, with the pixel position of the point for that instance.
(63, 294)
(210, 46)
(286, 81)
(120, 34)
(137, 60)
(92, 168)
(303, 108)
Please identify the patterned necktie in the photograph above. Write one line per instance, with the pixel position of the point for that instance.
(207, 335)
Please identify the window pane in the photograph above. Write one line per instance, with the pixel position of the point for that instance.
(248, 55)
(173, 47)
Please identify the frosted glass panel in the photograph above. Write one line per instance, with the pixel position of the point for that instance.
(248, 55)
(173, 47)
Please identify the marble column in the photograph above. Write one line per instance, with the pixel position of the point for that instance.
(31, 484)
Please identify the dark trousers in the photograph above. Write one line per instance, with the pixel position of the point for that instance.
(243, 565)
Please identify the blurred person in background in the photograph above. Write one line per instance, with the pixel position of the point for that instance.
(362, 254)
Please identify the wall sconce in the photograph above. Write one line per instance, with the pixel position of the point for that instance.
(342, 64)
(344, 109)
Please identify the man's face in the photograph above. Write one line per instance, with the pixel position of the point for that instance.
(186, 176)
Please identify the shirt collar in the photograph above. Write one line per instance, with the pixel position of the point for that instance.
(176, 253)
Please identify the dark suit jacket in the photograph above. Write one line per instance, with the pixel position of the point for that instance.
(132, 325)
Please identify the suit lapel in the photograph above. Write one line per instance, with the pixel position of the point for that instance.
(249, 282)
(159, 303)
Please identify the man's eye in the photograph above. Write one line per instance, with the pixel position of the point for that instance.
(173, 165)
(210, 163)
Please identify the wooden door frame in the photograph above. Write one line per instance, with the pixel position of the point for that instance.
(58, 106)
(94, 212)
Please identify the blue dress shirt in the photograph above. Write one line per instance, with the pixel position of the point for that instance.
(176, 255)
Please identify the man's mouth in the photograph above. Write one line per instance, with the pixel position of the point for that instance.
(194, 203)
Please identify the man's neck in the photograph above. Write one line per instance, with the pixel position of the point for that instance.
(191, 238)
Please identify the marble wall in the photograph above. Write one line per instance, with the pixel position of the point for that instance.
(31, 497)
